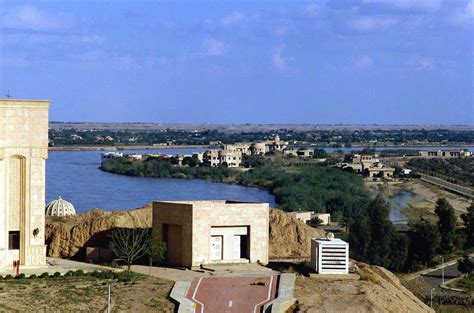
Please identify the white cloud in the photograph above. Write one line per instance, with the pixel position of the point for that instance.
(281, 62)
(311, 10)
(214, 47)
(421, 5)
(364, 61)
(423, 63)
(466, 15)
(371, 23)
(233, 18)
(49, 38)
(29, 18)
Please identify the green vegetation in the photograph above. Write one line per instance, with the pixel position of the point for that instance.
(331, 138)
(456, 170)
(374, 239)
(297, 184)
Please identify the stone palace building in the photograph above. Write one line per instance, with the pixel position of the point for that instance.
(23, 153)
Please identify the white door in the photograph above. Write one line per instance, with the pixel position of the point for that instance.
(237, 247)
(216, 248)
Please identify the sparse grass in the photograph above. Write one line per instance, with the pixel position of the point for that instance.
(86, 293)
(302, 268)
(452, 309)
(466, 283)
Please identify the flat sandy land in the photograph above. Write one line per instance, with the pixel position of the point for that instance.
(424, 201)
(72, 294)
(424, 204)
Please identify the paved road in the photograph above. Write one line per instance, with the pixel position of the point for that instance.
(434, 279)
(447, 185)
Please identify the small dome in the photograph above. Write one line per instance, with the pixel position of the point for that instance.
(60, 207)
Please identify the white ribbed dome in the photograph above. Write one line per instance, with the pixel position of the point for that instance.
(60, 207)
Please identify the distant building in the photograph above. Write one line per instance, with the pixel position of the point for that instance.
(445, 154)
(212, 232)
(110, 155)
(367, 165)
(302, 153)
(259, 148)
(215, 158)
(324, 217)
(306, 216)
(329, 255)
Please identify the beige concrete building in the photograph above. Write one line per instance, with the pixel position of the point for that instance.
(212, 232)
(215, 158)
(260, 148)
(445, 154)
(23, 153)
(368, 165)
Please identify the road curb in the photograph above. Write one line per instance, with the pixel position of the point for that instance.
(178, 293)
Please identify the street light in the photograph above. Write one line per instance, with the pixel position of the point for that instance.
(431, 297)
(442, 270)
(108, 297)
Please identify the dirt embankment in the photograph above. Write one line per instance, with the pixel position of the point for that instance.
(378, 290)
(67, 237)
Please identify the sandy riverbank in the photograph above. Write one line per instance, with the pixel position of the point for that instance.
(424, 199)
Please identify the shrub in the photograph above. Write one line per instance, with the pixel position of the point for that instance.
(44, 275)
(33, 276)
(69, 273)
(21, 276)
(57, 274)
(8, 277)
(79, 273)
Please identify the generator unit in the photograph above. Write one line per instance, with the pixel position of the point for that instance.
(329, 255)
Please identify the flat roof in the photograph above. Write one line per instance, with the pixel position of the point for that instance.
(208, 201)
(335, 240)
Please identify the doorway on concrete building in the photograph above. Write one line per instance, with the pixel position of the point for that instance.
(241, 247)
(216, 248)
(173, 238)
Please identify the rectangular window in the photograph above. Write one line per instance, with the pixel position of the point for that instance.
(14, 240)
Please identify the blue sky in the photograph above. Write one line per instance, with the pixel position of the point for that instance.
(349, 62)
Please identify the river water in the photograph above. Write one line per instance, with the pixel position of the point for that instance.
(75, 176)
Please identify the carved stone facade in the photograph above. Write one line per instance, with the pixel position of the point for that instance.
(23, 153)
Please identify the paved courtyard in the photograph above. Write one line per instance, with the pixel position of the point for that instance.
(232, 294)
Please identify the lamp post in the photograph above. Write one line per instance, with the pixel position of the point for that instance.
(431, 297)
(442, 270)
(108, 297)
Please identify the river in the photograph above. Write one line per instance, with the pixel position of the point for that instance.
(75, 176)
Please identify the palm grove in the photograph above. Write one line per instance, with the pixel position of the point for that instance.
(306, 185)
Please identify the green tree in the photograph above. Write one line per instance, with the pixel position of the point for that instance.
(446, 224)
(319, 153)
(468, 219)
(466, 265)
(424, 241)
(315, 222)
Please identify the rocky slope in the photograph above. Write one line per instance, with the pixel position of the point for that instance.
(65, 237)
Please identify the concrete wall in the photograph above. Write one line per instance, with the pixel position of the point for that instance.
(23, 151)
(201, 219)
(175, 214)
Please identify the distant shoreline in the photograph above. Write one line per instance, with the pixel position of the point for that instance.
(119, 148)
(141, 147)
